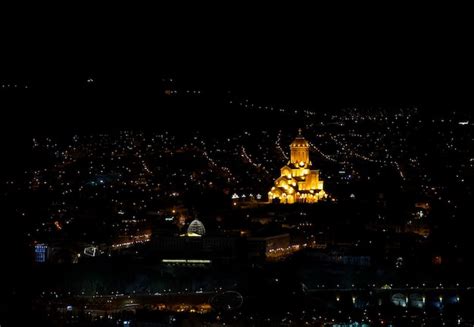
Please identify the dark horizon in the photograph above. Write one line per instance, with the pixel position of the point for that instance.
(338, 60)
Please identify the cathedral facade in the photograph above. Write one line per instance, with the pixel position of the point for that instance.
(298, 183)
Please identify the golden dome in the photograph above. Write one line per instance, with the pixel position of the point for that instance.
(299, 141)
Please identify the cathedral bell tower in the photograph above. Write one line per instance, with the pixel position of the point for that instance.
(299, 151)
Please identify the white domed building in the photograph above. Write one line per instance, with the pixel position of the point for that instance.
(196, 228)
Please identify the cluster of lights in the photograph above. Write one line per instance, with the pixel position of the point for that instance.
(138, 239)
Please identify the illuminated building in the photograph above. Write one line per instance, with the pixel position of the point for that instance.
(41, 252)
(297, 181)
(196, 228)
(175, 250)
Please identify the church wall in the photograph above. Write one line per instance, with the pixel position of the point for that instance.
(285, 171)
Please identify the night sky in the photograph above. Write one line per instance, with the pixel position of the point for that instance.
(323, 60)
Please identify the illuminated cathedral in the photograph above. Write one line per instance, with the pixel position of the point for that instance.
(297, 181)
